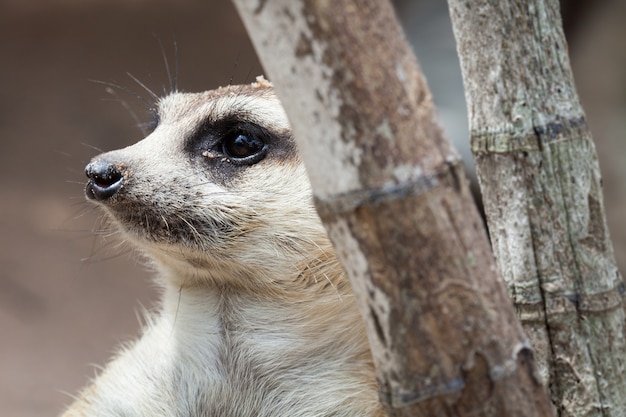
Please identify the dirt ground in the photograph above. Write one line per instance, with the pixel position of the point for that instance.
(67, 297)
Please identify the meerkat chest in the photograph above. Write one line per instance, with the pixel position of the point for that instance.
(197, 361)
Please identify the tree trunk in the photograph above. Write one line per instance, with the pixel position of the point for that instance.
(542, 191)
(392, 194)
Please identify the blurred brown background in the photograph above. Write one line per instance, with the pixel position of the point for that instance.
(68, 298)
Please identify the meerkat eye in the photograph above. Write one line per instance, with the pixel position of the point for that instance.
(244, 148)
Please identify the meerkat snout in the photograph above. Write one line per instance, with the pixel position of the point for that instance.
(105, 179)
(256, 318)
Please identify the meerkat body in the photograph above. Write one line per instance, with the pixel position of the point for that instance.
(256, 317)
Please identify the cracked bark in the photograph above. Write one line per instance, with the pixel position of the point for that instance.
(542, 191)
(391, 192)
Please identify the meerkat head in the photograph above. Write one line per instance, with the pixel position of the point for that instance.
(217, 192)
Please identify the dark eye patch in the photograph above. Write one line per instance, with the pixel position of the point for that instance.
(231, 140)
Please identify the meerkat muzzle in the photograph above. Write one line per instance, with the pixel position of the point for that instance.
(105, 180)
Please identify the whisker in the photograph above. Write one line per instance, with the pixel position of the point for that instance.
(75, 171)
(232, 74)
(180, 294)
(126, 90)
(63, 153)
(167, 66)
(126, 106)
(154, 95)
(95, 148)
(175, 66)
(248, 75)
(193, 229)
(165, 62)
(91, 259)
(167, 225)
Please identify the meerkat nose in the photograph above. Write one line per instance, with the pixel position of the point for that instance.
(105, 179)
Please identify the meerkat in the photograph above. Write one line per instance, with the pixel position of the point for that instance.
(256, 316)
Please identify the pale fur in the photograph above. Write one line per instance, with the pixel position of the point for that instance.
(257, 318)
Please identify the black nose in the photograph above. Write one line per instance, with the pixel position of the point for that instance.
(105, 179)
